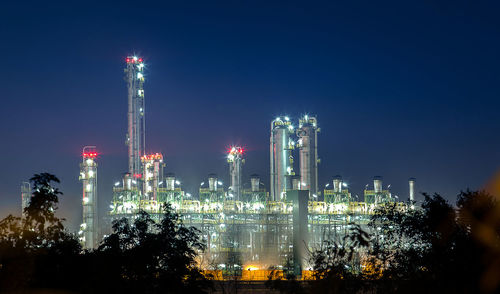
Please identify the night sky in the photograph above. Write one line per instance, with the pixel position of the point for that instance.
(400, 89)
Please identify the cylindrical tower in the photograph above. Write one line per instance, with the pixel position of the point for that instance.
(152, 167)
(296, 183)
(337, 184)
(136, 120)
(411, 183)
(88, 176)
(25, 196)
(255, 182)
(281, 157)
(308, 155)
(212, 182)
(170, 181)
(235, 160)
(377, 184)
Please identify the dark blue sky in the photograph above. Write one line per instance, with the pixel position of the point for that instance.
(401, 89)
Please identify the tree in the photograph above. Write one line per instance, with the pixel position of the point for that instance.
(150, 257)
(35, 250)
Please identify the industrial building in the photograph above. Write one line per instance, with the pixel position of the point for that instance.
(245, 225)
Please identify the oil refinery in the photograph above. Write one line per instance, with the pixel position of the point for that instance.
(245, 226)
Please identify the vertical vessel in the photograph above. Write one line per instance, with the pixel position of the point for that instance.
(88, 175)
(136, 120)
(281, 164)
(307, 133)
(25, 196)
(235, 160)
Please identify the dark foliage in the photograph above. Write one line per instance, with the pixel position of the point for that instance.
(37, 254)
(150, 257)
(435, 249)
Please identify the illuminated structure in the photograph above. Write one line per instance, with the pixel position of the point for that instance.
(377, 195)
(411, 183)
(308, 146)
(89, 229)
(25, 196)
(153, 174)
(136, 120)
(339, 193)
(235, 160)
(245, 226)
(281, 163)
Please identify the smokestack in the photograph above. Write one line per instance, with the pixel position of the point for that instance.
(212, 182)
(377, 184)
(255, 181)
(411, 183)
(170, 181)
(337, 184)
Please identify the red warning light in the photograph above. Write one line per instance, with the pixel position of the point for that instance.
(90, 155)
(137, 176)
(140, 59)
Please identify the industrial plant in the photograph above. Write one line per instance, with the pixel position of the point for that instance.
(246, 226)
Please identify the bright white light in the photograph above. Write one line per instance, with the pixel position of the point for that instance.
(327, 185)
(134, 182)
(160, 183)
(91, 173)
(85, 200)
(287, 118)
(306, 117)
(344, 184)
(140, 75)
(117, 183)
(188, 194)
(89, 161)
(219, 183)
(177, 182)
(135, 58)
(202, 183)
(290, 127)
(278, 118)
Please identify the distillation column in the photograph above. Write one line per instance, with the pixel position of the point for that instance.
(235, 160)
(136, 120)
(411, 183)
(25, 196)
(153, 174)
(308, 144)
(281, 157)
(88, 175)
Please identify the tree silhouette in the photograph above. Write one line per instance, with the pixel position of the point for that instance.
(35, 250)
(149, 257)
